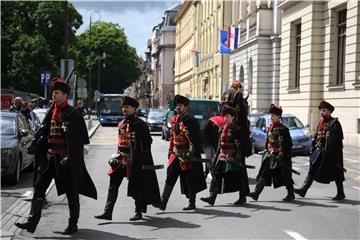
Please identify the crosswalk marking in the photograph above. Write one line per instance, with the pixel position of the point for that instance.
(295, 235)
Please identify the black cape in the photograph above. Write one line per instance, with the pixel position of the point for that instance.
(282, 175)
(330, 167)
(197, 171)
(74, 176)
(143, 185)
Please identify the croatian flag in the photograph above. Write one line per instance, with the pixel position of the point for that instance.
(223, 43)
(233, 34)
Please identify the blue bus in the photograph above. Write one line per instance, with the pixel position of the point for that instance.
(109, 109)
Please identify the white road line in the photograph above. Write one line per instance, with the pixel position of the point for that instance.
(352, 170)
(295, 235)
(27, 194)
(351, 160)
(358, 188)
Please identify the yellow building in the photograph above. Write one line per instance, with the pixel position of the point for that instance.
(320, 59)
(197, 33)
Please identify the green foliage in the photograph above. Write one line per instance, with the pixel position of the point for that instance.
(121, 60)
(32, 35)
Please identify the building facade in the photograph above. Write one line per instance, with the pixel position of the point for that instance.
(185, 49)
(320, 59)
(256, 60)
(198, 45)
(163, 56)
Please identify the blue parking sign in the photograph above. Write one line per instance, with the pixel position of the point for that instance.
(45, 78)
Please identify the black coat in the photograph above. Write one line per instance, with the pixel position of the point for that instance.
(73, 175)
(143, 185)
(235, 178)
(330, 167)
(197, 171)
(281, 175)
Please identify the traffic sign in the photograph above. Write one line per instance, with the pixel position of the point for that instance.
(45, 77)
(82, 92)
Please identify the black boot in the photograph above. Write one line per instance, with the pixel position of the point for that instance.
(307, 184)
(258, 189)
(33, 221)
(210, 200)
(144, 208)
(191, 205)
(241, 200)
(290, 193)
(340, 191)
(165, 197)
(213, 193)
(71, 228)
(138, 210)
(74, 209)
(110, 202)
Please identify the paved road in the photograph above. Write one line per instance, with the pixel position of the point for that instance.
(10, 193)
(313, 217)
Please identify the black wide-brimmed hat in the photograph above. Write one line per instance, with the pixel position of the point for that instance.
(62, 86)
(325, 104)
(274, 109)
(178, 99)
(130, 101)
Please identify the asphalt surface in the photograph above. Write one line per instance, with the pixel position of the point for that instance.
(314, 217)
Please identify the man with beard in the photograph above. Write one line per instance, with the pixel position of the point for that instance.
(134, 148)
(60, 156)
(326, 158)
(227, 174)
(276, 162)
(183, 150)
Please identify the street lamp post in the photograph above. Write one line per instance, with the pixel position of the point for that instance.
(66, 32)
(99, 69)
(90, 49)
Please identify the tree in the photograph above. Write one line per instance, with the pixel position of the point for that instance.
(38, 27)
(121, 59)
(25, 74)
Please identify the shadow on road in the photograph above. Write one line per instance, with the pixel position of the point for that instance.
(212, 213)
(307, 203)
(158, 223)
(256, 207)
(345, 201)
(89, 234)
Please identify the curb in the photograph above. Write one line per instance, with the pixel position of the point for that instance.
(18, 211)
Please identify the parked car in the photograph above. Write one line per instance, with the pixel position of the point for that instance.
(16, 136)
(34, 122)
(300, 134)
(142, 113)
(166, 127)
(41, 112)
(253, 117)
(155, 119)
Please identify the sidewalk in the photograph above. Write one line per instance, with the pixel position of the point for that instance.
(19, 210)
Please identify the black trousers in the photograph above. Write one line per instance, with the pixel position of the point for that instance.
(190, 175)
(43, 182)
(116, 179)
